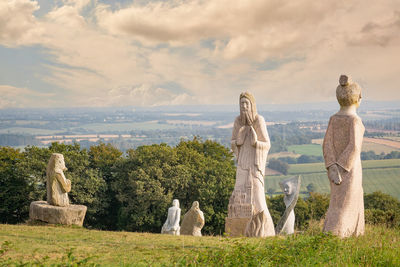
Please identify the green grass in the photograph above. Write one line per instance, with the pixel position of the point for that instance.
(73, 246)
(378, 175)
(320, 167)
(309, 149)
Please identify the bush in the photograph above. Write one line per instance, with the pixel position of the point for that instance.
(279, 166)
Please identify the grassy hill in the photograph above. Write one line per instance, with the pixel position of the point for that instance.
(378, 175)
(73, 246)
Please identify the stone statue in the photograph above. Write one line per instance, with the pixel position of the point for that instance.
(57, 185)
(247, 211)
(171, 225)
(341, 149)
(291, 189)
(57, 209)
(193, 221)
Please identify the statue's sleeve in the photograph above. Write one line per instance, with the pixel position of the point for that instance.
(327, 146)
(177, 218)
(352, 151)
(65, 184)
(235, 131)
(263, 145)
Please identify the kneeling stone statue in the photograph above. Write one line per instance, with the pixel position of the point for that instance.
(57, 209)
(171, 225)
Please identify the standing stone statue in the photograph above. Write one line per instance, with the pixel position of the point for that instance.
(171, 225)
(193, 221)
(57, 209)
(291, 189)
(57, 185)
(341, 149)
(247, 211)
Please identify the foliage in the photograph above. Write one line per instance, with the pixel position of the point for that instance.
(381, 208)
(152, 176)
(279, 166)
(311, 187)
(14, 189)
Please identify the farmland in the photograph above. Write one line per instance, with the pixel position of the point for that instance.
(378, 175)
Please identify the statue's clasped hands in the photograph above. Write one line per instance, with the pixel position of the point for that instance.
(334, 174)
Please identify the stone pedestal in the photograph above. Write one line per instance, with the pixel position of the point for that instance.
(71, 215)
(235, 227)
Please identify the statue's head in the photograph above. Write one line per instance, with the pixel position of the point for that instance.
(248, 110)
(348, 93)
(195, 205)
(56, 163)
(175, 203)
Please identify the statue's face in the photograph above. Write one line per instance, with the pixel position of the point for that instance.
(245, 105)
(175, 203)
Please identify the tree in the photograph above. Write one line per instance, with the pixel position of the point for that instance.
(279, 166)
(311, 187)
(14, 189)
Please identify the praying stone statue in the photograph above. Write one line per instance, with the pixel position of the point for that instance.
(193, 221)
(57, 209)
(171, 225)
(247, 210)
(57, 185)
(291, 189)
(341, 149)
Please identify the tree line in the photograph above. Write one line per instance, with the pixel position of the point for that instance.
(132, 191)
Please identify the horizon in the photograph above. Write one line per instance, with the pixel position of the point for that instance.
(93, 53)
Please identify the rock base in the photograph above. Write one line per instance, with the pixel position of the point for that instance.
(235, 227)
(71, 215)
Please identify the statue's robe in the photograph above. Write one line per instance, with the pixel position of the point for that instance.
(342, 146)
(57, 188)
(251, 161)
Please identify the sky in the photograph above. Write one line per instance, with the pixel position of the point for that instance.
(103, 53)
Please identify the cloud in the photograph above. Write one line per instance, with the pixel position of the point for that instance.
(12, 97)
(17, 23)
(141, 95)
(284, 52)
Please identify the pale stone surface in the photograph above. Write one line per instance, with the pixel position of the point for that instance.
(291, 189)
(171, 225)
(57, 185)
(71, 215)
(250, 143)
(341, 149)
(193, 221)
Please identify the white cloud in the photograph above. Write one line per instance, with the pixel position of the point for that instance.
(17, 23)
(12, 97)
(285, 52)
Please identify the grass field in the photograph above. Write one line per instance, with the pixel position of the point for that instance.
(309, 149)
(27, 130)
(378, 145)
(378, 175)
(150, 125)
(23, 245)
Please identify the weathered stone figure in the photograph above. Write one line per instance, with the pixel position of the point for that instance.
(171, 225)
(291, 189)
(57, 185)
(247, 211)
(341, 149)
(57, 209)
(193, 221)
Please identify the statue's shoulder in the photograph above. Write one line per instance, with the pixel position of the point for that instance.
(259, 119)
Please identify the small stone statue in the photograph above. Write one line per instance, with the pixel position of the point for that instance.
(171, 225)
(193, 221)
(291, 189)
(57, 185)
(341, 149)
(247, 211)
